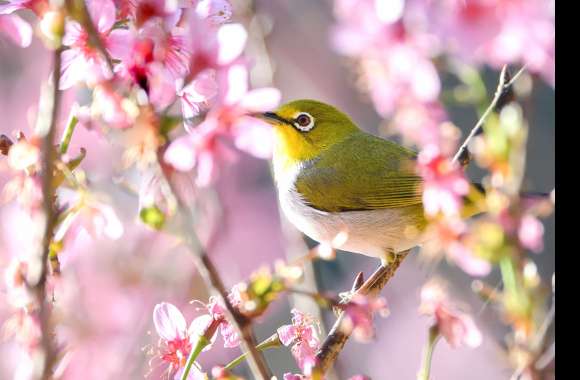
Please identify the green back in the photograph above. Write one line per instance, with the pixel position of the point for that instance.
(362, 172)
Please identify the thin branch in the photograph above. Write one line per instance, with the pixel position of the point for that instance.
(503, 95)
(337, 337)
(215, 285)
(46, 126)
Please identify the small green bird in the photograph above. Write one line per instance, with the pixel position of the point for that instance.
(333, 178)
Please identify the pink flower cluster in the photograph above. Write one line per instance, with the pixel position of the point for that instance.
(498, 32)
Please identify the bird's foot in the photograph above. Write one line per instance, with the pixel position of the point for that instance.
(388, 258)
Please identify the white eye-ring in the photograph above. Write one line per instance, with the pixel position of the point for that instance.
(304, 121)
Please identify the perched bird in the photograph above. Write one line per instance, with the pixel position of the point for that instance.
(333, 178)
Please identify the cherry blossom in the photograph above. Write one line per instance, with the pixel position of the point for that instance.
(229, 119)
(83, 62)
(358, 316)
(444, 183)
(497, 32)
(176, 339)
(456, 327)
(531, 233)
(303, 338)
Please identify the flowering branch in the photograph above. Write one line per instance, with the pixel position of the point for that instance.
(215, 285)
(50, 103)
(337, 338)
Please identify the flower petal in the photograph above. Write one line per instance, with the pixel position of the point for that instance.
(169, 322)
(181, 154)
(234, 83)
(262, 99)
(253, 136)
(287, 334)
(102, 13)
(18, 30)
(231, 41)
(119, 42)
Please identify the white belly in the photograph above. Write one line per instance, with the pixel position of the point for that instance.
(370, 233)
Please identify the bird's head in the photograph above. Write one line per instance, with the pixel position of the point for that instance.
(305, 128)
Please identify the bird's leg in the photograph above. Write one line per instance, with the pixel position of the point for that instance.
(388, 258)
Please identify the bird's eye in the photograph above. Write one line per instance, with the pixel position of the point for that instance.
(304, 122)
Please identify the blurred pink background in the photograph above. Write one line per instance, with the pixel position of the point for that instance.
(111, 293)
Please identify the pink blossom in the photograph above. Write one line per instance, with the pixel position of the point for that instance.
(216, 314)
(25, 186)
(531, 233)
(15, 28)
(456, 327)
(112, 108)
(10, 6)
(176, 339)
(82, 62)
(197, 95)
(142, 68)
(359, 377)
(395, 57)
(143, 12)
(302, 335)
(465, 259)
(94, 217)
(444, 183)
(220, 373)
(358, 316)
(213, 46)
(153, 58)
(419, 123)
(447, 236)
(498, 32)
(228, 332)
(204, 146)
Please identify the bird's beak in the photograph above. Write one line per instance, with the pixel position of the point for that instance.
(270, 118)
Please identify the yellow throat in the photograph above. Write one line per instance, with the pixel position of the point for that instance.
(296, 140)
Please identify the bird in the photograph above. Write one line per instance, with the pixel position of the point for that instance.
(333, 178)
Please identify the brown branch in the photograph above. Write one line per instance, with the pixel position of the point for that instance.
(337, 337)
(215, 285)
(503, 95)
(46, 126)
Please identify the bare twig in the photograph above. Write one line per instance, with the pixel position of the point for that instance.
(46, 125)
(503, 95)
(215, 285)
(337, 337)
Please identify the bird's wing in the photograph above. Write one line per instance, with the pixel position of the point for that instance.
(363, 172)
